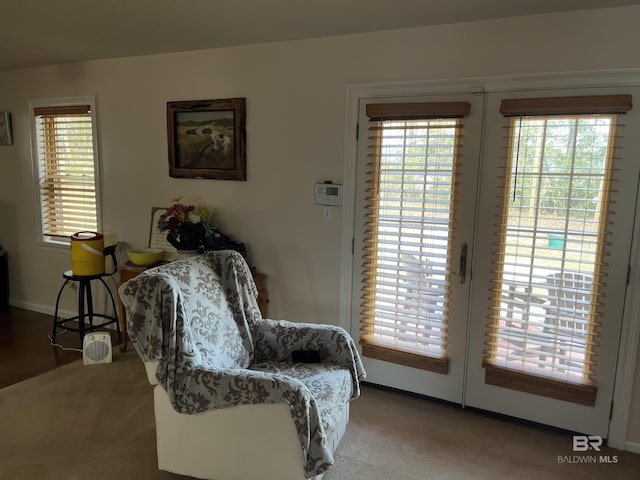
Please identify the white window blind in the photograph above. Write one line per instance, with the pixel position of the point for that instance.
(413, 151)
(67, 170)
(550, 274)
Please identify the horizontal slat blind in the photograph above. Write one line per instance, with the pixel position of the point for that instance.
(550, 273)
(410, 210)
(67, 169)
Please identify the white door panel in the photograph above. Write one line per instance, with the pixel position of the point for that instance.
(568, 415)
(444, 386)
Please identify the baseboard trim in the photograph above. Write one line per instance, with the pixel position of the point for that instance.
(36, 307)
(632, 447)
(46, 309)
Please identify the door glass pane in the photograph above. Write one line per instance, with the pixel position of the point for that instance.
(409, 234)
(552, 247)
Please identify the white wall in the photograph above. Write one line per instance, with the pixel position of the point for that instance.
(295, 136)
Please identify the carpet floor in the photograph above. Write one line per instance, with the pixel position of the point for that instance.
(81, 422)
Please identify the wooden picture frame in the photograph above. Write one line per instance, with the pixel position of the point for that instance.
(207, 139)
(5, 129)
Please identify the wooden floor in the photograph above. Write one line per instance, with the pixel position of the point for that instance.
(25, 349)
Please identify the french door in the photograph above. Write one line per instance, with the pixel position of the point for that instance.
(494, 245)
(427, 195)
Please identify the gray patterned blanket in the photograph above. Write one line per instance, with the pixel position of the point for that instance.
(199, 318)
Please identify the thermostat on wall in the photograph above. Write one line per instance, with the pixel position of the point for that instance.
(328, 193)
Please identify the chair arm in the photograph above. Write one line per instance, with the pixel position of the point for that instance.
(275, 340)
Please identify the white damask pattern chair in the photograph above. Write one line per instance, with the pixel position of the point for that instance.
(237, 396)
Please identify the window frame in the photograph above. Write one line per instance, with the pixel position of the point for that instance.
(43, 238)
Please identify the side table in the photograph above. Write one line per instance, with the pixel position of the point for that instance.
(130, 270)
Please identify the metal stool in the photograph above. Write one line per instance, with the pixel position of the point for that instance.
(85, 298)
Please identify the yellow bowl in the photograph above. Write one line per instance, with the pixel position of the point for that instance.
(145, 256)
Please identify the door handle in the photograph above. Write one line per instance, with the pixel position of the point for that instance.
(463, 263)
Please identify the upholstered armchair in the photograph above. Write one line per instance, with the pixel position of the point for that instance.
(237, 396)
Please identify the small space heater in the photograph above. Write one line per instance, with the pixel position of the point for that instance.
(96, 348)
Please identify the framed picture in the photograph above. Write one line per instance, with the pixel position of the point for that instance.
(207, 139)
(5, 129)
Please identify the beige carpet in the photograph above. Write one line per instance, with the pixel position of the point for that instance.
(96, 422)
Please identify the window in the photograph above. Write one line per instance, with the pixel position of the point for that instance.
(551, 266)
(414, 152)
(67, 166)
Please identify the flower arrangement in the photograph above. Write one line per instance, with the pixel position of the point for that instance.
(186, 225)
(189, 227)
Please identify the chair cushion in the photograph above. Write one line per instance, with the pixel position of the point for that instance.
(330, 385)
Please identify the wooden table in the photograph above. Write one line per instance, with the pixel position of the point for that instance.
(130, 270)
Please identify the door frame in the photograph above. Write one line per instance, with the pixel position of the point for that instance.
(630, 333)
